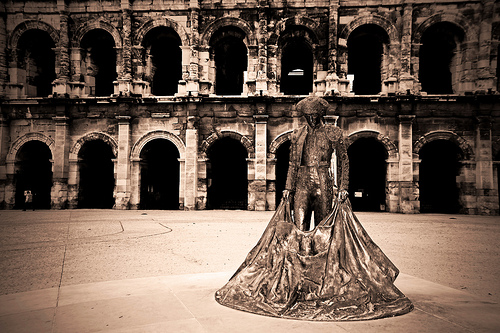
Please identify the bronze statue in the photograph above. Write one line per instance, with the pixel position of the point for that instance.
(309, 173)
(333, 272)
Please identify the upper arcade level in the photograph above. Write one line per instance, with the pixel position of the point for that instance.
(225, 48)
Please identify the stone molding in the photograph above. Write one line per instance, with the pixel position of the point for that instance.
(445, 135)
(73, 154)
(33, 136)
(159, 134)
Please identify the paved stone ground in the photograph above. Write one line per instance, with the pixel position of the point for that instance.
(157, 271)
(47, 249)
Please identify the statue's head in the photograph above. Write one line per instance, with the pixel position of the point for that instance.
(313, 109)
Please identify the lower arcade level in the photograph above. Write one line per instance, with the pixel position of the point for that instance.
(408, 154)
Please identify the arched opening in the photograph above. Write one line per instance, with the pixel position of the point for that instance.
(282, 161)
(97, 179)
(37, 58)
(163, 60)
(231, 60)
(367, 175)
(497, 166)
(498, 68)
(159, 175)
(34, 172)
(365, 49)
(297, 62)
(227, 175)
(438, 58)
(99, 62)
(439, 168)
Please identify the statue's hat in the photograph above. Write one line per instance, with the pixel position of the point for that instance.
(313, 105)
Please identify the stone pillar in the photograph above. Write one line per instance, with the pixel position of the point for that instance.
(123, 84)
(59, 191)
(122, 168)
(332, 77)
(3, 55)
(272, 70)
(407, 82)
(486, 76)
(258, 184)
(202, 188)
(261, 75)
(191, 165)
(407, 188)
(73, 183)
(135, 184)
(487, 203)
(60, 84)
(15, 87)
(192, 85)
(4, 149)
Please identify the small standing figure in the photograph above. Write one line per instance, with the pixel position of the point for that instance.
(28, 200)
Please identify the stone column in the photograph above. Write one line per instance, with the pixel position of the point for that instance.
(122, 169)
(258, 184)
(407, 82)
(4, 149)
(60, 85)
(332, 77)
(191, 165)
(59, 191)
(261, 76)
(487, 203)
(3, 55)
(192, 85)
(407, 188)
(486, 76)
(123, 84)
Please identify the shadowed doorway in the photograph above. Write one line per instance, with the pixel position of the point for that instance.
(439, 168)
(95, 161)
(367, 175)
(159, 175)
(282, 161)
(227, 175)
(34, 172)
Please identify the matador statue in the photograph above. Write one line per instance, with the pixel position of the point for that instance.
(330, 273)
(309, 173)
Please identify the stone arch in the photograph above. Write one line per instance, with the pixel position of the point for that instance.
(245, 141)
(159, 134)
(277, 142)
(12, 154)
(300, 21)
(29, 25)
(390, 147)
(386, 25)
(445, 135)
(161, 22)
(73, 154)
(250, 38)
(455, 19)
(96, 24)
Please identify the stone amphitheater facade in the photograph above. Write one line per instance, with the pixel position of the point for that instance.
(189, 104)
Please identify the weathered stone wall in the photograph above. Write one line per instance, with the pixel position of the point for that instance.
(402, 117)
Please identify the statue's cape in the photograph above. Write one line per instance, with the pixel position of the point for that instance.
(334, 272)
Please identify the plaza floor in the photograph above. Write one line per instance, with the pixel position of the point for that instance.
(157, 271)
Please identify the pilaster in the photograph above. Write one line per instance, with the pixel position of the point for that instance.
(122, 166)
(191, 165)
(59, 191)
(407, 188)
(487, 203)
(259, 182)
(407, 82)
(331, 79)
(60, 84)
(4, 148)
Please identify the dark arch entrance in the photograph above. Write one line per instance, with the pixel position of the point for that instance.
(37, 57)
(97, 182)
(365, 50)
(159, 175)
(163, 46)
(296, 68)
(34, 172)
(439, 167)
(367, 175)
(282, 160)
(230, 56)
(227, 175)
(439, 45)
(99, 55)
(497, 160)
